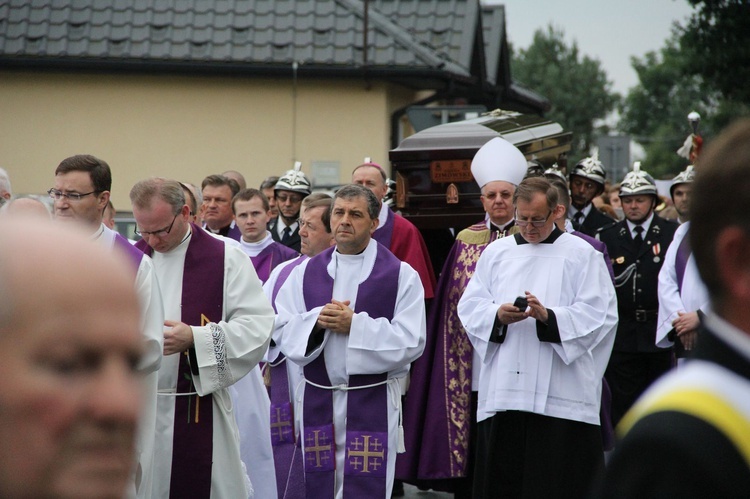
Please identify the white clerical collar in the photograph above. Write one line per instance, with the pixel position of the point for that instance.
(730, 334)
(646, 225)
(254, 249)
(573, 211)
(501, 228)
(218, 231)
(367, 259)
(99, 231)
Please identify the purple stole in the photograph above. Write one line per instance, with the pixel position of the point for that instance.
(289, 469)
(265, 261)
(384, 234)
(681, 259)
(366, 458)
(202, 302)
(135, 255)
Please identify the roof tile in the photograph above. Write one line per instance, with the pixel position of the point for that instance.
(408, 33)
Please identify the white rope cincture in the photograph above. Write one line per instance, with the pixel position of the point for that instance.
(172, 393)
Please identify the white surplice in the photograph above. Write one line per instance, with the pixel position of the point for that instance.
(562, 380)
(373, 345)
(152, 321)
(693, 297)
(247, 320)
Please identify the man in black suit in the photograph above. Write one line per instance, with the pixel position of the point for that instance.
(587, 182)
(688, 436)
(637, 246)
(289, 191)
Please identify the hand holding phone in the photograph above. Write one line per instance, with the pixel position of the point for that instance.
(521, 303)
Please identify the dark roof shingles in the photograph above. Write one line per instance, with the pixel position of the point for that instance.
(413, 33)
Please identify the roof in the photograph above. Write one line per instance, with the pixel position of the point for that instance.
(421, 43)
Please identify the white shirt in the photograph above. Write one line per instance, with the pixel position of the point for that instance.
(560, 380)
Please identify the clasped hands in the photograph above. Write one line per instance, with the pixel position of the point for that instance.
(336, 316)
(686, 327)
(508, 314)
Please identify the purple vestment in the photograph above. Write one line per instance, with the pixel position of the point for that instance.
(366, 417)
(267, 260)
(202, 302)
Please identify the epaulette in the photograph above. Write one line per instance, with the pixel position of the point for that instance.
(607, 227)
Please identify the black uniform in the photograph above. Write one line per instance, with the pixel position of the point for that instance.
(594, 221)
(636, 361)
(294, 241)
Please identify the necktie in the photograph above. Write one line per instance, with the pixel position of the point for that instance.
(577, 220)
(638, 237)
(287, 236)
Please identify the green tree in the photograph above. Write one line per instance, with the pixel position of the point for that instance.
(576, 85)
(655, 112)
(716, 44)
(693, 72)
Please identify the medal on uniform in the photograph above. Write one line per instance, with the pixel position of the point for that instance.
(656, 249)
(620, 260)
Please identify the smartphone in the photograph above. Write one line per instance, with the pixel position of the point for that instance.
(521, 303)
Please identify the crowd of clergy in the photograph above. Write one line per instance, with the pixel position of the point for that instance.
(298, 344)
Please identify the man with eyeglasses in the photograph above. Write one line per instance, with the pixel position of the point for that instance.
(81, 194)
(541, 312)
(440, 416)
(218, 325)
(289, 191)
(217, 192)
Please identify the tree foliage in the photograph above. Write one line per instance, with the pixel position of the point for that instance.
(716, 43)
(702, 67)
(576, 85)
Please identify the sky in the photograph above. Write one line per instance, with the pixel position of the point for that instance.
(608, 30)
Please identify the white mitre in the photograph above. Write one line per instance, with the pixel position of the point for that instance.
(498, 159)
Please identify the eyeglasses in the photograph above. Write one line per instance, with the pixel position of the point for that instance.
(73, 196)
(158, 233)
(535, 223)
(292, 199)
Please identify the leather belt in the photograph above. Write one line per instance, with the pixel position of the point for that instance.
(646, 315)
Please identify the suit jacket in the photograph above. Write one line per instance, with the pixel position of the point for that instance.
(636, 271)
(295, 243)
(594, 221)
(676, 453)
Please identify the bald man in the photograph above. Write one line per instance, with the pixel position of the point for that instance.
(70, 392)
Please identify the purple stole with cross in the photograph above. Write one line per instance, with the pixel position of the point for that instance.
(384, 234)
(202, 302)
(289, 469)
(366, 455)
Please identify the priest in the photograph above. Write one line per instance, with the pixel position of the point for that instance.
(252, 214)
(251, 401)
(353, 317)
(218, 324)
(541, 312)
(81, 194)
(440, 408)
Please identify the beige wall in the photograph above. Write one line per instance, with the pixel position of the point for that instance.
(187, 127)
